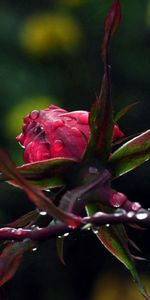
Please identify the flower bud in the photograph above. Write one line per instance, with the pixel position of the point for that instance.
(55, 132)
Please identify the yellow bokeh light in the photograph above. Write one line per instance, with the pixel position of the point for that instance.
(46, 33)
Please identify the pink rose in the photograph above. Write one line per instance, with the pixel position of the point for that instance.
(55, 132)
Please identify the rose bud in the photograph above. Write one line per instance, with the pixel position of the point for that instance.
(55, 132)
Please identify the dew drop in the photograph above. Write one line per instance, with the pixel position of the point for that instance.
(48, 190)
(34, 249)
(34, 114)
(86, 227)
(93, 170)
(19, 231)
(43, 213)
(22, 146)
(33, 226)
(66, 234)
(72, 226)
(136, 206)
(107, 225)
(76, 132)
(60, 236)
(20, 139)
(119, 212)
(57, 146)
(118, 199)
(142, 214)
(130, 214)
(83, 118)
(95, 231)
(99, 214)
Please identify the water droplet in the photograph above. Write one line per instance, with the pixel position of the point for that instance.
(119, 212)
(22, 146)
(20, 139)
(34, 114)
(136, 206)
(19, 231)
(86, 227)
(96, 230)
(107, 225)
(73, 226)
(99, 214)
(57, 146)
(58, 123)
(34, 249)
(93, 170)
(60, 237)
(83, 118)
(76, 132)
(118, 199)
(48, 190)
(142, 214)
(33, 226)
(66, 234)
(43, 213)
(130, 214)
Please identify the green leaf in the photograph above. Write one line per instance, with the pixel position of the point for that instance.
(130, 155)
(115, 240)
(10, 258)
(123, 111)
(101, 116)
(45, 174)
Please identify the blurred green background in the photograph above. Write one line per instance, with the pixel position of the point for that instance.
(50, 53)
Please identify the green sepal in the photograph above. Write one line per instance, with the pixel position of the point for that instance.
(130, 155)
(44, 174)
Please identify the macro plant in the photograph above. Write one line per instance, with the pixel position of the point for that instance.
(69, 166)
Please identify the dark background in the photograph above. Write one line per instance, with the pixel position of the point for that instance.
(50, 53)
